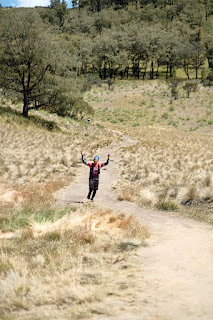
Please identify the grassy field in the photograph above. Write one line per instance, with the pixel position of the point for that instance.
(65, 263)
(68, 262)
(170, 167)
(135, 104)
(75, 262)
(44, 149)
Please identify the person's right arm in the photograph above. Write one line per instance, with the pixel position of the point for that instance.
(83, 160)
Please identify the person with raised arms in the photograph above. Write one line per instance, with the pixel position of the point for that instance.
(95, 167)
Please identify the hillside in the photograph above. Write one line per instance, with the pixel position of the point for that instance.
(130, 82)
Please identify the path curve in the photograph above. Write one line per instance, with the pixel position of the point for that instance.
(177, 266)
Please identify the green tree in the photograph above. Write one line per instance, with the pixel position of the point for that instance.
(60, 10)
(190, 86)
(26, 58)
(108, 54)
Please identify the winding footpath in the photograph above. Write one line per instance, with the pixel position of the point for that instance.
(177, 265)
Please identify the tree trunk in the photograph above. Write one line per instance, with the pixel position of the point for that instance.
(157, 71)
(170, 70)
(196, 72)
(105, 70)
(111, 71)
(26, 105)
(138, 70)
(186, 69)
(144, 73)
(152, 70)
(167, 70)
(100, 73)
(99, 5)
(127, 72)
(133, 70)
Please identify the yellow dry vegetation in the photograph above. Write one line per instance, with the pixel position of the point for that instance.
(62, 263)
(170, 166)
(71, 268)
(149, 103)
(34, 155)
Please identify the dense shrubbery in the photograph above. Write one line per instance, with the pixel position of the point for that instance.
(71, 106)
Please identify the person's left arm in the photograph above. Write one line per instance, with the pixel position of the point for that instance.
(107, 162)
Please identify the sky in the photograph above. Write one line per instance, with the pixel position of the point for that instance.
(27, 3)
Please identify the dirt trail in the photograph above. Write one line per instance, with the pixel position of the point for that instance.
(177, 266)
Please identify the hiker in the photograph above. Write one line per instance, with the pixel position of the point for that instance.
(95, 167)
(88, 120)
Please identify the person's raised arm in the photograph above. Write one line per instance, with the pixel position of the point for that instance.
(107, 162)
(83, 160)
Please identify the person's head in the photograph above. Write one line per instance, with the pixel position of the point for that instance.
(96, 159)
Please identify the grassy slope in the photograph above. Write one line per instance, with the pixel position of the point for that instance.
(70, 261)
(172, 161)
(146, 103)
(31, 153)
(58, 262)
(66, 269)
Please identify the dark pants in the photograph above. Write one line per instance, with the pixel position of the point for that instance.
(93, 186)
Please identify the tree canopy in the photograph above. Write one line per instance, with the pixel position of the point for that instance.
(33, 64)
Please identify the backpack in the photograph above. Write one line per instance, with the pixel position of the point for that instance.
(91, 171)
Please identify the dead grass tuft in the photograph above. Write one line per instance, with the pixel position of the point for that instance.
(72, 264)
(134, 229)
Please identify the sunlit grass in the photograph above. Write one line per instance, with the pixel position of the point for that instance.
(146, 102)
(72, 261)
(174, 152)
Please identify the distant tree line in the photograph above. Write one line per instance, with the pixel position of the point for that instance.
(45, 53)
(141, 38)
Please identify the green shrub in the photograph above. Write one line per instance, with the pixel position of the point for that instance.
(165, 116)
(166, 205)
(190, 86)
(143, 103)
(70, 106)
(210, 76)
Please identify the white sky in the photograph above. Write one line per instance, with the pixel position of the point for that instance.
(33, 3)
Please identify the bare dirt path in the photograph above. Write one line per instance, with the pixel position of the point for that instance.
(176, 267)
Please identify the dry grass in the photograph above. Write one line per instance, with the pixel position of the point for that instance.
(35, 162)
(37, 155)
(70, 268)
(172, 163)
(135, 104)
(168, 166)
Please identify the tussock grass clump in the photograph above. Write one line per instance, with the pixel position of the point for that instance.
(71, 264)
(167, 166)
(166, 205)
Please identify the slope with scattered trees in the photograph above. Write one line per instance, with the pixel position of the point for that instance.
(47, 52)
